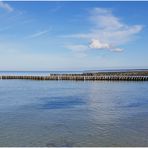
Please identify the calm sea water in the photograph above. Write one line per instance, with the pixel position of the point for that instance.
(70, 113)
(38, 73)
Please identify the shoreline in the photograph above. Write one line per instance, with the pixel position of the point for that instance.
(89, 76)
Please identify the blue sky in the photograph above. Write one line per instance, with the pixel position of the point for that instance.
(73, 35)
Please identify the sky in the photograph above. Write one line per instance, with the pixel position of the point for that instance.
(73, 35)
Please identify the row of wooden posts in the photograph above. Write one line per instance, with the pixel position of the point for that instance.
(78, 77)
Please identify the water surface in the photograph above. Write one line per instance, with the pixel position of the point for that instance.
(70, 113)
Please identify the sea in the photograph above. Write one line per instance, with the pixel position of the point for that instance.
(73, 113)
(37, 73)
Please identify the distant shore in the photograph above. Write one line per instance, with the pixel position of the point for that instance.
(91, 76)
(119, 73)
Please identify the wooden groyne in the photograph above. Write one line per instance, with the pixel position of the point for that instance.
(78, 77)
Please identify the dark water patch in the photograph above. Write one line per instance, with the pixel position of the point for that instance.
(135, 103)
(61, 102)
(63, 143)
(51, 144)
(67, 102)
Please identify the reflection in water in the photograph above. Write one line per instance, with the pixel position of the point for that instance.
(69, 113)
(61, 102)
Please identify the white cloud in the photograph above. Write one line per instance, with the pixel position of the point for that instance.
(78, 50)
(116, 49)
(6, 6)
(38, 34)
(103, 18)
(107, 31)
(98, 45)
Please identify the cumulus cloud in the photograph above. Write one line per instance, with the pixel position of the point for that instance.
(96, 44)
(108, 31)
(6, 6)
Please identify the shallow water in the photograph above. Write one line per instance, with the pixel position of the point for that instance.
(70, 113)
